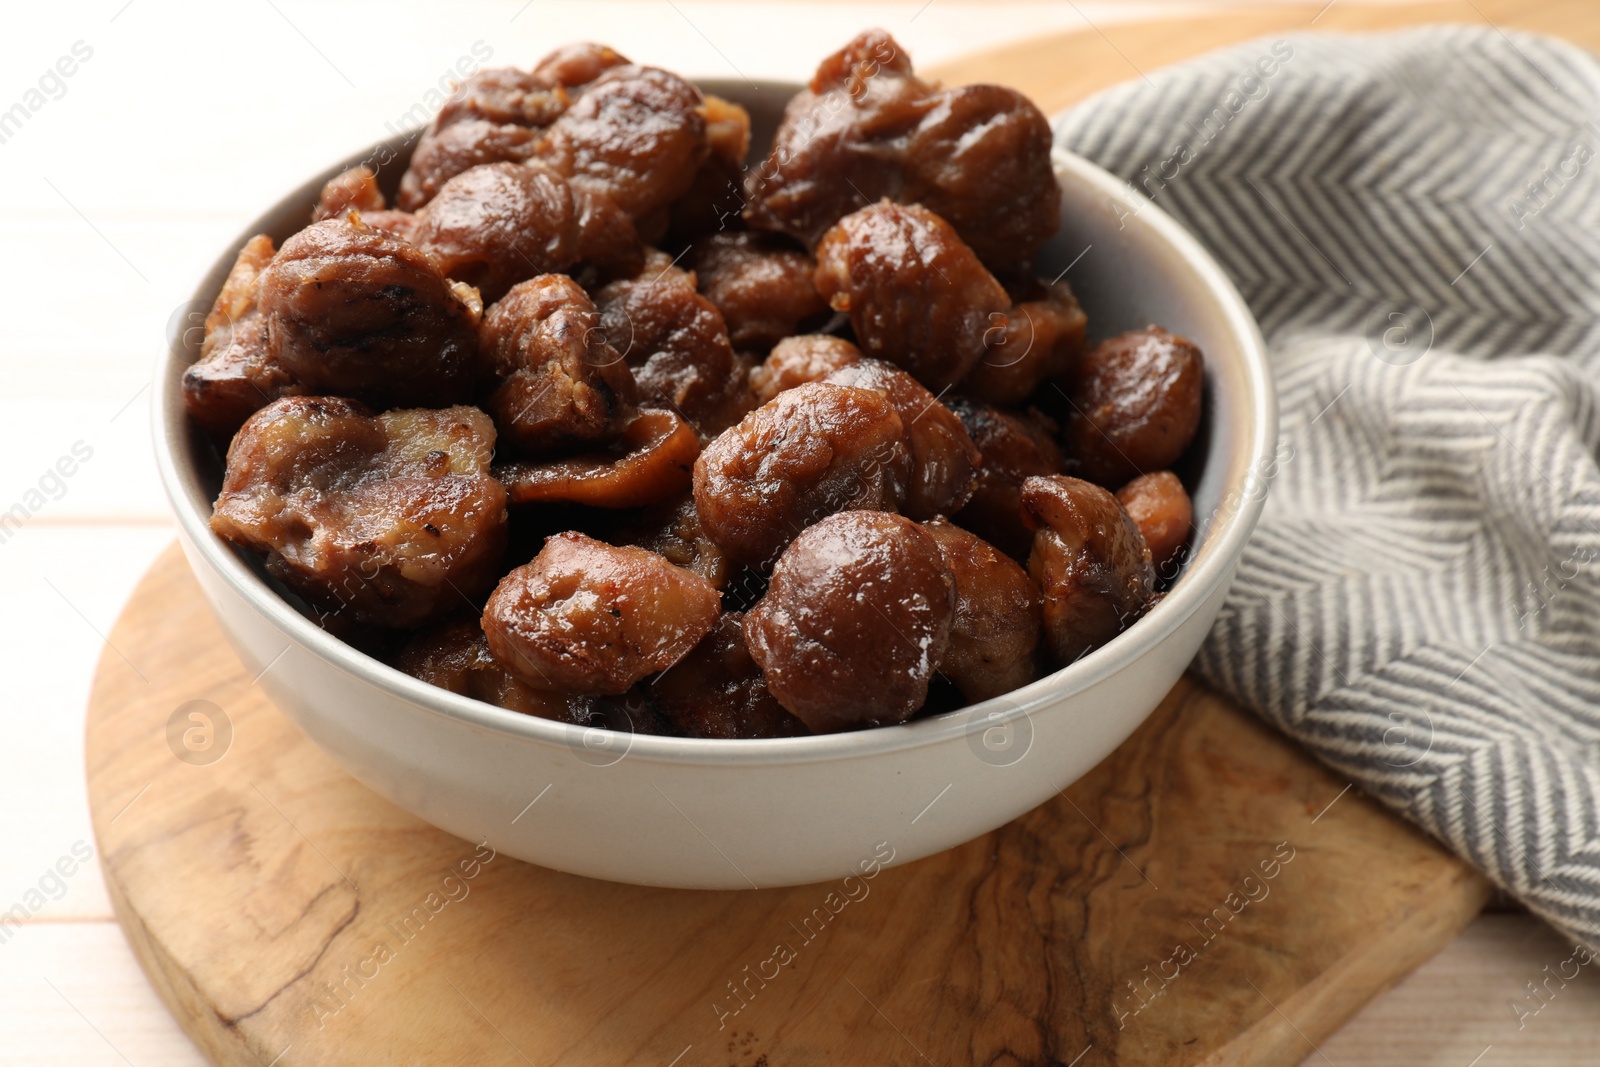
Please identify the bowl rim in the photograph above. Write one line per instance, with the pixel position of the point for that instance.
(1212, 565)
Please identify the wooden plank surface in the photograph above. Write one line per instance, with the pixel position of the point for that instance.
(104, 1011)
(1208, 894)
(112, 205)
(1058, 70)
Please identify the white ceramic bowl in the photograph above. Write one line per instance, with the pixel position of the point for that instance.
(733, 814)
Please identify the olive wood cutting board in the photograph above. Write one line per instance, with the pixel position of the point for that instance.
(1208, 894)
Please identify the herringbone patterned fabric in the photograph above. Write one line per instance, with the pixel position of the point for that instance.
(1415, 219)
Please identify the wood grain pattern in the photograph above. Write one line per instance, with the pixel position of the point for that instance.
(278, 905)
(1058, 70)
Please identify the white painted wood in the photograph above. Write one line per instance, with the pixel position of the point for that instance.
(1444, 1015)
(49, 574)
(72, 995)
(1473, 1000)
(113, 199)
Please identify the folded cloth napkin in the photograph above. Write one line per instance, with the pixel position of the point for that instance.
(1415, 220)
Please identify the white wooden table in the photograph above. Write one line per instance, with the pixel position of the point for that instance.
(120, 186)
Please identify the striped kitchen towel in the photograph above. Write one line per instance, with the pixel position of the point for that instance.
(1415, 220)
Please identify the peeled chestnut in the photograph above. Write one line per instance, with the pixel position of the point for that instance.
(1090, 561)
(857, 617)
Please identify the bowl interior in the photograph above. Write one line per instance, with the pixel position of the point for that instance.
(1130, 265)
